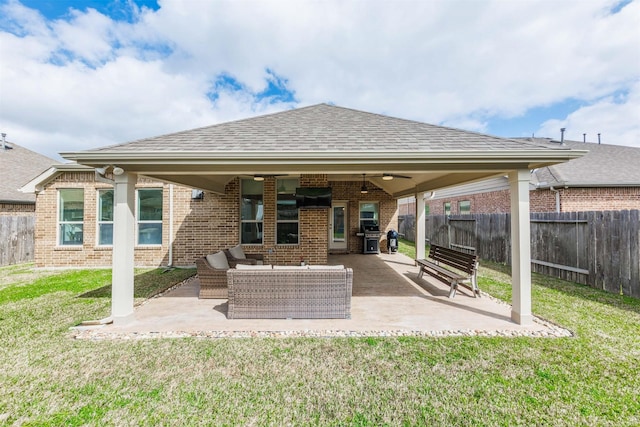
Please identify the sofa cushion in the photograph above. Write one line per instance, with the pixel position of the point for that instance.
(290, 267)
(218, 261)
(253, 267)
(326, 267)
(237, 252)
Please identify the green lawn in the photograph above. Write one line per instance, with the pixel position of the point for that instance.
(47, 378)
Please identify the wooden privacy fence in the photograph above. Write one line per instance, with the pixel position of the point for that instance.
(16, 239)
(599, 249)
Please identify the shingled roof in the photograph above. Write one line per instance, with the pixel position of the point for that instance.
(346, 144)
(17, 166)
(604, 166)
(319, 128)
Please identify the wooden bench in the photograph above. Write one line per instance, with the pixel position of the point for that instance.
(452, 267)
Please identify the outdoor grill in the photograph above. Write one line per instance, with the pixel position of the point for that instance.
(371, 237)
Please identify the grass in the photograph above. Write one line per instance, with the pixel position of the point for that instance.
(48, 378)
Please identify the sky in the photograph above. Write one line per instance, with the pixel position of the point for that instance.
(77, 75)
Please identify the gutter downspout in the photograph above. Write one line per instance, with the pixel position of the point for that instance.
(170, 261)
(557, 198)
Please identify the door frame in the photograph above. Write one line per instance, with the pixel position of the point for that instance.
(343, 245)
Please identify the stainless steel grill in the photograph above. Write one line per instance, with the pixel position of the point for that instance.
(371, 240)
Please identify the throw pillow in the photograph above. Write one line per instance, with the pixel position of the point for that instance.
(218, 261)
(237, 252)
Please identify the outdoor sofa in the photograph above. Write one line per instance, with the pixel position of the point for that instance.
(212, 270)
(283, 292)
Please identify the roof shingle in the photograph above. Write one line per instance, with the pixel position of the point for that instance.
(322, 128)
(17, 166)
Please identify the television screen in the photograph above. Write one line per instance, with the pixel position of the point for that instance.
(313, 197)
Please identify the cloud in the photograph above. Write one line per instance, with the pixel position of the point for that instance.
(89, 79)
(615, 118)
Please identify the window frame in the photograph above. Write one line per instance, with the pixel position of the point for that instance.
(283, 221)
(251, 221)
(60, 221)
(468, 211)
(376, 214)
(446, 208)
(100, 222)
(146, 221)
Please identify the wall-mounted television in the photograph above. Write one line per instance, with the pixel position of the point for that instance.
(313, 197)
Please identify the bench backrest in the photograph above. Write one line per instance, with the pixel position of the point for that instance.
(452, 258)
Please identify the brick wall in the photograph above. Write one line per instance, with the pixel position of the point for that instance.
(388, 210)
(14, 209)
(571, 200)
(47, 251)
(204, 226)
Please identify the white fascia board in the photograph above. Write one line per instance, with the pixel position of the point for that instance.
(37, 183)
(359, 157)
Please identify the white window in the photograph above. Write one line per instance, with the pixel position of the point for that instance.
(105, 218)
(464, 207)
(287, 224)
(251, 211)
(149, 216)
(369, 216)
(70, 216)
(447, 208)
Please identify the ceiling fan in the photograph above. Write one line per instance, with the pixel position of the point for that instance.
(390, 176)
(261, 177)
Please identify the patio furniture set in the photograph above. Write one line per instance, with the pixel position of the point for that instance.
(258, 291)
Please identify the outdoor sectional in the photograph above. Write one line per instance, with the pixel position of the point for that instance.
(282, 292)
(259, 291)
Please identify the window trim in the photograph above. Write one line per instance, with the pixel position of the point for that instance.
(60, 222)
(286, 221)
(98, 216)
(459, 207)
(362, 202)
(444, 208)
(252, 221)
(146, 221)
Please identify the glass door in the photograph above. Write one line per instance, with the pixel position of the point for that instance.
(338, 226)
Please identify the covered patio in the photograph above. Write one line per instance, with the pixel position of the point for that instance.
(388, 300)
(325, 145)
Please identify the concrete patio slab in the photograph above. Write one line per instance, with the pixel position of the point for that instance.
(388, 299)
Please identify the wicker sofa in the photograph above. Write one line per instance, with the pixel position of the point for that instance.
(213, 278)
(294, 292)
(213, 281)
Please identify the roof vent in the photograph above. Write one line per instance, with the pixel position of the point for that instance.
(598, 138)
(584, 137)
(5, 144)
(562, 135)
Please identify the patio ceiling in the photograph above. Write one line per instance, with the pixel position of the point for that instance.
(324, 139)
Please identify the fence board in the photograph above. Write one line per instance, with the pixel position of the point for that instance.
(634, 252)
(16, 239)
(599, 249)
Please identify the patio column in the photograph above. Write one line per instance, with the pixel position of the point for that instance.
(123, 244)
(520, 247)
(420, 226)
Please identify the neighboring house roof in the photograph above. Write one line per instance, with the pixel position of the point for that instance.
(37, 183)
(604, 166)
(17, 166)
(341, 142)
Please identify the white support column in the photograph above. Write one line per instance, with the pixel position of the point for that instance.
(123, 244)
(520, 247)
(420, 226)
